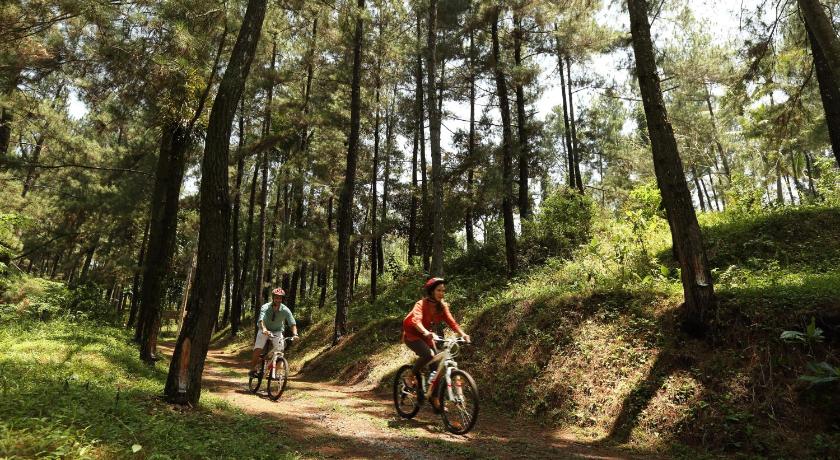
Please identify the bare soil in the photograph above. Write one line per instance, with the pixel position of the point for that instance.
(325, 420)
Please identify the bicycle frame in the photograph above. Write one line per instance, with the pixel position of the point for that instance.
(278, 344)
(445, 367)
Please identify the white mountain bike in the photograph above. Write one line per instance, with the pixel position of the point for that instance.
(455, 389)
(277, 372)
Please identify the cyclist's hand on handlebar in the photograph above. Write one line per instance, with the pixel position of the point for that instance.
(294, 338)
(436, 337)
(466, 338)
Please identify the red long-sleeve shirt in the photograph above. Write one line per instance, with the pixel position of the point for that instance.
(426, 312)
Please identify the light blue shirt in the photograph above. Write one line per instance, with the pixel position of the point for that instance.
(275, 321)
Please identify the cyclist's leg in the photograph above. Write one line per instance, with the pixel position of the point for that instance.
(424, 354)
(259, 344)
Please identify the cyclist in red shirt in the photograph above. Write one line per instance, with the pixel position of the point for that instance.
(417, 325)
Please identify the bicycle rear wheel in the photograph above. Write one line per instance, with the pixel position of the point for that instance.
(460, 411)
(255, 382)
(408, 392)
(277, 379)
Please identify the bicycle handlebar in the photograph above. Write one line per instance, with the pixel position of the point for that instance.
(453, 340)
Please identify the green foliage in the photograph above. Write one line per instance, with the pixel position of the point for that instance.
(76, 390)
(25, 297)
(563, 223)
(820, 372)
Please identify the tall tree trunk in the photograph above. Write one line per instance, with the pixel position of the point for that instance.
(412, 211)
(227, 292)
(239, 298)
(32, 171)
(697, 187)
(135, 284)
(567, 132)
(685, 231)
(434, 135)
(714, 192)
(573, 123)
(809, 169)
(522, 150)
(469, 224)
(507, 147)
(183, 384)
(325, 273)
(426, 234)
(780, 196)
(829, 85)
(389, 146)
(374, 209)
(164, 221)
(259, 275)
(345, 206)
(821, 29)
(716, 136)
(236, 301)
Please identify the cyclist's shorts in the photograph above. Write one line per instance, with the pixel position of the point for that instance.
(262, 339)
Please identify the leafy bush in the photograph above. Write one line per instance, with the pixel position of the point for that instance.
(28, 297)
(563, 223)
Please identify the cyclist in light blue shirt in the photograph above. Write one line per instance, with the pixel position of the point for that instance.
(272, 320)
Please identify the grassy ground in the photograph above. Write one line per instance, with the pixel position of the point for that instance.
(78, 391)
(591, 344)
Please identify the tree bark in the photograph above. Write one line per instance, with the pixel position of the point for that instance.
(434, 135)
(507, 147)
(523, 153)
(715, 135)
(696, 277)
(697, 187)
(183, 384)
(162, 232)
(820, 27)
(345, 207)
(829, 92)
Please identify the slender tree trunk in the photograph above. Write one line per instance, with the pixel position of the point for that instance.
(829, 92)
(227, 293)
(412, 212)
(714, 192)
(236, 301)
(162, 232)
(522, 121)
(426, 234)
(507, 147)
(567, 132)
(685, 231)
(239, 298)
(434, 135)
(389, 146)
(259, 275)
(697, 187)
(183, 384)
(809, 168)
(345, 206)
(706, 194)
(135, 284)
(821, 29)
(374, 209)
(780, 196)
(573, 123)
(471, 148)
(32, 171)
(716, 137)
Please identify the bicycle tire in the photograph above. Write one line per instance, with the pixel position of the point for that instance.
(276, 384)
(255, 382)
(459, 415)
(404, 392)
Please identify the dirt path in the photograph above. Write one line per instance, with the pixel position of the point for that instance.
(331, 421)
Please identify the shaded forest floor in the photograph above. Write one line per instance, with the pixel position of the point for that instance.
(337, 421)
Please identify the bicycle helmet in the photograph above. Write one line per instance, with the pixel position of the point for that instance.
(431, 284)
(278, 291)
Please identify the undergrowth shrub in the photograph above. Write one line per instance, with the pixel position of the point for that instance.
(563, 223)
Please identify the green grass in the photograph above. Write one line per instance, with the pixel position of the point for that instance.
(79, 391)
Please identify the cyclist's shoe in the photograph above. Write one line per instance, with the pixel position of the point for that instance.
(436, 407)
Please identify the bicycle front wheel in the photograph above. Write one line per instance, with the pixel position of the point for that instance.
(407, 392)
(255, 382)
(277, 379)
(460, 405)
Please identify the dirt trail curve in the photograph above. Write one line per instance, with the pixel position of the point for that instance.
(330, 421)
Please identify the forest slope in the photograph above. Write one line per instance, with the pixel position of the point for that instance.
(590, 344)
